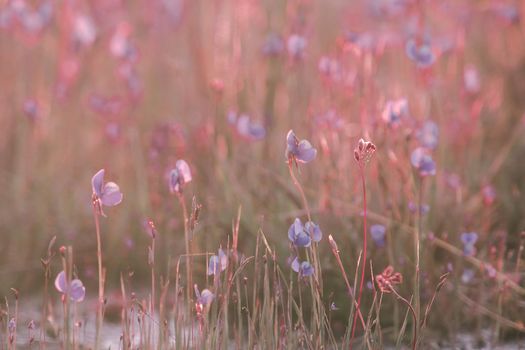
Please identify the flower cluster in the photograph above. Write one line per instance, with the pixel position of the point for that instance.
(387, 279)
(303, 235)
(75, 290)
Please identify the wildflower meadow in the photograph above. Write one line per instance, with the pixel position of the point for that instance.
(262, 174)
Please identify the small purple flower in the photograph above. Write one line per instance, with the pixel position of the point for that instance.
(469, 239)
(296, 45)
(304, 269)
(302, 236)
(249, 129)
(299, 151)
(428, 135)
(107, 193)
(378, 234)
(467, 276)
(394, 111)
(205, 297)
(179, 176)
(422, 161)
(333, 307)
(217, 263)
(424, 208)
(421, 54)
(273, 45)
(75, 290)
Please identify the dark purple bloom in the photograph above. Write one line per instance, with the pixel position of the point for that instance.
(107, 193)
(179, 176)
(469, 240)
(299, 151)
(378, 233)
(304, 269)
(428, 135)
(302, 236)
(421, 54)
(74, 290)
(422, 161)
(205, 297)
(217, 263)
(394, 111)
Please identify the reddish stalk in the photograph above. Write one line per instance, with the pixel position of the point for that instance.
(363, 268)
(100, 314)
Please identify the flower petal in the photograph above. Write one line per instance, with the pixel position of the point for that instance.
(184, 170)
(305, 152)
(111, 195)
(296, 266)
(61, 282)
(77, 291)
(97, 182)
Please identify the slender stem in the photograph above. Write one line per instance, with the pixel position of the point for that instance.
(152, 306)
(414, 338)
(363, 268)
(100, 315)
(417, 302)
(187, 245)
(300, 189)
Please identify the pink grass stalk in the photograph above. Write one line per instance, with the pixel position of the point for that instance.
(100, 304)
(362, 153)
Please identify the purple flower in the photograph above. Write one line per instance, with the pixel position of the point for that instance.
(299, 151)
(421, 54)
(304, 269)
(423, 162)
(302, 236)
(205, 297)
(424, 208)
(394, 111)
(469, 239)
(467, 276)
(378, 234)
(217, 263)
(75, 290)
(179, 176)
(428, 135)
(273, 45)
(107, 193)
(296, 45)
(246, 128)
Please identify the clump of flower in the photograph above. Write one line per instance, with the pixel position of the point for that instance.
(107, 194)
(378, 233)
(423, 162)
(387, 279)
(420, 53)
(302, 236)
(469, 240)
(217, 263)
(304, 269)
(299, 151)
(394, 112)
(74, 290)
(179, 176)
(364, 151)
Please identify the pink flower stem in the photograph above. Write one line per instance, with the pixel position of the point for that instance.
(363, 266)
